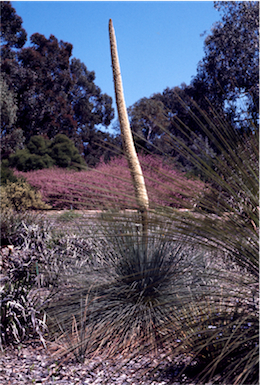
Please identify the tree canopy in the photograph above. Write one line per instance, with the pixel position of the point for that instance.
(46, 91)
(45, 83)
(13, 34)
(147, 117)
(226, 85)
(53, 92)
(229, 72)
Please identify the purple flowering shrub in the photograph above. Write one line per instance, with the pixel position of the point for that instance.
(109, 185)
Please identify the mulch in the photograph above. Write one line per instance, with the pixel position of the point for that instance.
(32, 363)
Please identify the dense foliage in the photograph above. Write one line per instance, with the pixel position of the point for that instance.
(20, 196)
(7, 174)
(52, 93)
(43, 153)
(228, 74)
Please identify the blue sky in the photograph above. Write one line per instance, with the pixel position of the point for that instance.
(159, 42)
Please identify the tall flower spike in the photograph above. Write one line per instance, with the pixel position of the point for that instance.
(128, 142)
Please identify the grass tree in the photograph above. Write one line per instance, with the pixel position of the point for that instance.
(139, 288)
(191, 288)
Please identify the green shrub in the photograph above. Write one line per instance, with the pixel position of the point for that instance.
(38, 162)
(21, 196)
(7, 174)
(23, 160)
(18, 160)
(42, 153)
(5, 202)
(64, 153)
(38, 145)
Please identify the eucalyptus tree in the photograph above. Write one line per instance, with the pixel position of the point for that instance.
(53, 92)
(8, 106)
(228, 74)
(147, 116)
(91, 109)
(13, 38)
(13, 35)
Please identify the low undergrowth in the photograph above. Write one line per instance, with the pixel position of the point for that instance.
(94, 290)
(109, 185)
